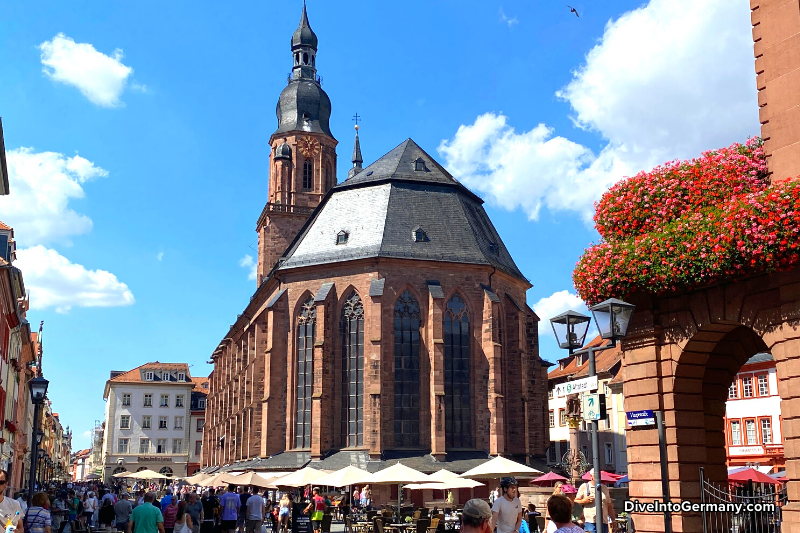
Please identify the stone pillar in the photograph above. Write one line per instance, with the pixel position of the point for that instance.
(272, 335)
(436, 355)
(373, 314)
(322, 396)
(492, 350)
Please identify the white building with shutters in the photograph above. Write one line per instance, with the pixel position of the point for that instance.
(147, 422)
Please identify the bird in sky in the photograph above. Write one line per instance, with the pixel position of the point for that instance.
(573, 10)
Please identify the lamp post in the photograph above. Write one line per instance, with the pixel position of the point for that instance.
(612, 318)
(38, 386)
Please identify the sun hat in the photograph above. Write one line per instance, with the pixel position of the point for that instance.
(568, 489)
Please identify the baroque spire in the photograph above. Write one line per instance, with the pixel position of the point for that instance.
(357, 158)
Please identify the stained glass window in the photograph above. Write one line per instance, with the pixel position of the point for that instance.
(406, 371)
(306, 328)
(457, 411)
(353, 372)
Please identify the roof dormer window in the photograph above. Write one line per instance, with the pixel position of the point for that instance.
(341, 237)
(148, 376)
(181, 376)
(419, 165)
(420, 235)
(494, 248)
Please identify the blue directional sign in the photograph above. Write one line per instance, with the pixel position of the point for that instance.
(641, 418)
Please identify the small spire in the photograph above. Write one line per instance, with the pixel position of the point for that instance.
(357, 159)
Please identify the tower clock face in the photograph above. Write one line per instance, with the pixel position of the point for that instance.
(308, 146)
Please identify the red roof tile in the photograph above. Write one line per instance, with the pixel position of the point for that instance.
(604, 361)
(3, 225)
(135, 376)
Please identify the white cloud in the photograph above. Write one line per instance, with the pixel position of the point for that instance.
(511, 21)
(160, 256)
(54, 281)
(43, 184)
(248, 262)
(554, 305)
(99, 77)
(666, 81)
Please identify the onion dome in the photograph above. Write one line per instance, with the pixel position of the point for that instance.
(283, 151)
(304, 35)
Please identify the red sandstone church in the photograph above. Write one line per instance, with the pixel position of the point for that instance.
(389, 322)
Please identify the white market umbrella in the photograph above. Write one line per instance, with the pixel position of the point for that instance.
(147, 474)
(398, 474)
(213, 481)
(300, 478)
(122, 474)
(197, 478)
(451, 480)
(248, 479)
(349, 475)
(501, 467)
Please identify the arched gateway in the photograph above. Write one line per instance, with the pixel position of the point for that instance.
(680, 357)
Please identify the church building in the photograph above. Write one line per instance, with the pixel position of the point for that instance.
(389, 321)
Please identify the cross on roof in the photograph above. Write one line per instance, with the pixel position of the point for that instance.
(356, 117)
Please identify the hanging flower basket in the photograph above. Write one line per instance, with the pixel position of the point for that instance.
(10, 426)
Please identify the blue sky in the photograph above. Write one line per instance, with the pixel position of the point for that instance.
(137, 142)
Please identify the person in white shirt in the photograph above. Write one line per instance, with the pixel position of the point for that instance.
(22, 500)
(9, 509)
(507, 509)
(254, 512)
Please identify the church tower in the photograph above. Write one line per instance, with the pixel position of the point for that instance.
(303, 156)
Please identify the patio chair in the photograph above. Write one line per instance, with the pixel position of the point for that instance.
(377, 524)
(423, 512)
(434, 525)
(422, 525)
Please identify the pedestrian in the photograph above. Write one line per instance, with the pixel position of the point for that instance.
(106, 515)
(507, 509)
(476, 517)
(195, 510)
(183, 522)
(548, 527)
(166, 499)
(559, 507)
(170, 514)
(356, 498)
(366, 497)
(146, 518)
(210, 511)
(9, 509)
(58, 512)
(37, 517)
(585, 497)
(230, 504)
(578, 517)
(22, 499)
(244, 495)
(284, 512)
(254, 511)
(73, 507)
(317, 510)
(122, 511)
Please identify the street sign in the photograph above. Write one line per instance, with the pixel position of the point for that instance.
(641, 418)
(594, 407)
(573, 387)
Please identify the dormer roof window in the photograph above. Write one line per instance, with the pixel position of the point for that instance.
(341, 237)
(419, 165)
(148, 376)
(181, 376)
(420, 235)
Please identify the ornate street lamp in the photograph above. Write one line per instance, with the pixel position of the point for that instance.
(570, 329)
(612, 318)
(38, 386)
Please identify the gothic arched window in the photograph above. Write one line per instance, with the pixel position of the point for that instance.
(457, 414)
(406, 371)
(308, 174)
(353, 372)
(306, 328)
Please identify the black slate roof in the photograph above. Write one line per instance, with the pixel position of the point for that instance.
(381, 222)
(759, 358)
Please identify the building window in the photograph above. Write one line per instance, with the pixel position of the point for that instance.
(352, 328)
(552, 419)
(122, 445)
(181, 376)
(609, 453)
(178, 422)
(766, 431)
(750, 430)
(198, 447)
(144, 445)
(308, 175)
(179, 400)
(763, 385)
(549, 394)
(747, 387)
(551, 452)
(125, 422)
(126, 399)
(201, 403)
(341, 237)
(306, 328)
(585, 450)
(148, 376)
(161, 446)
(200, 424)
(419, 165)
(736, 433)
(162, 422)
(733, 390)
(148, 400)
(562, 417)
(177, 445)
(406, 371)
(420, 235)
(146, 422)
(164, 400)
(457, 412)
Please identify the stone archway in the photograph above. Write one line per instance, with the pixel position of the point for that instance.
(680, 357)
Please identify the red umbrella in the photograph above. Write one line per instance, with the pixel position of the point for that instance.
(751, 474)
(605, 477)
(548, 478)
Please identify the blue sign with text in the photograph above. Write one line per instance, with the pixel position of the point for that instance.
(641, 418)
